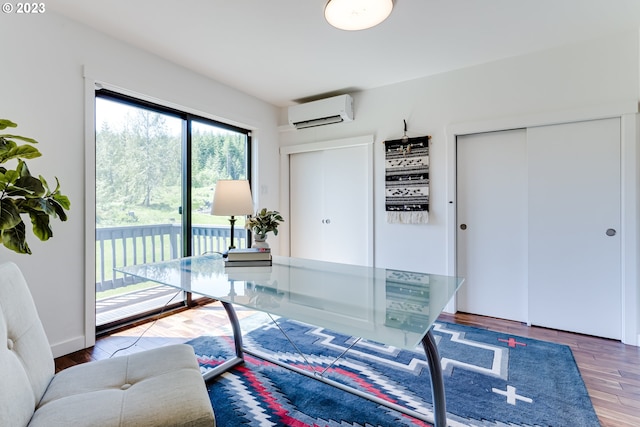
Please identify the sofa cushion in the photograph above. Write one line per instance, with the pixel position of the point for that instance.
(26, 362)
(159, 387)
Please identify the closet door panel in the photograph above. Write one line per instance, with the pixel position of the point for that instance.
(491, 224)
(574, 204)
(346, 204)
(306, 187)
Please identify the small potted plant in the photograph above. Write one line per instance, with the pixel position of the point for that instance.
(263, 222)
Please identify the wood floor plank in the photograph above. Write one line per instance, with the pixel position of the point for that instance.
(610, 369)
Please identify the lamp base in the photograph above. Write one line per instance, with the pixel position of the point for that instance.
(232, 220)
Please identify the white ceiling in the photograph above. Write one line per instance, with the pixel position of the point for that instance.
(283, 51)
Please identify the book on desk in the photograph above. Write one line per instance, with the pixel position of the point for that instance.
(249, 257)
(249, 254)
(248, 263)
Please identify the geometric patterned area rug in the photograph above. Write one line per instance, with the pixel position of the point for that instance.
(490, 378)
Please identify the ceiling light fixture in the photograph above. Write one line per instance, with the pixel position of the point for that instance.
(352, 15)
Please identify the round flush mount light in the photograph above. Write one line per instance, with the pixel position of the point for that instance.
(352, 15)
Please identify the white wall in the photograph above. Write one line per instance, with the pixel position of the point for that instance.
(45, 58)
(574, 82)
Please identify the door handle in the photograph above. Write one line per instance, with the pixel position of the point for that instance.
(610, 232)
(463, 226)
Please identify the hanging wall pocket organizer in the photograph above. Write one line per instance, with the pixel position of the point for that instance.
(407, 180)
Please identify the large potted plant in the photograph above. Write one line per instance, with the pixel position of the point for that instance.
(263, 222)
(21, 193)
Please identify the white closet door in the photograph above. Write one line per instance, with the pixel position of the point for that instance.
(306, 191)
(346, 227)
(330, 204)
(492, 224)
(574, 204)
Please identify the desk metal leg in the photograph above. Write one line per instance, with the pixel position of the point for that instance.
(237, 340)
(235, 325)
(437, 382)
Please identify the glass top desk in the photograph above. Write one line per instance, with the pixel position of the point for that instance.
(392, 307)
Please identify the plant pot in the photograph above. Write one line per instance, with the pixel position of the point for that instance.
(260, 241)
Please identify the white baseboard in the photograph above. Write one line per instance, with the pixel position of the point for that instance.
(67, 347)
(450, 308)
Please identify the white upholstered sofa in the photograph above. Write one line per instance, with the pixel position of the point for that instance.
(160, 387)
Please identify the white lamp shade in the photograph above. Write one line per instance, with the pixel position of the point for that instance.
(357, 14)
(232, 197)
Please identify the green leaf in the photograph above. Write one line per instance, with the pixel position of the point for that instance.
(15, 239)
(9, 214)
(46, 205)
(21, 138)
(7, 179)
(22, 168)
(10, 150)
(24, 152)
(27, 186)
(63, 201)
(5, 148)
(38, 204)
(4, 123)
(40, 221)
(44, 183)
(9, 176)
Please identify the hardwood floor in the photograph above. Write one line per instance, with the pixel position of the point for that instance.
(610, 369)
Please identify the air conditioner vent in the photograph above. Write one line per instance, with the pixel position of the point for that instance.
(322, 112)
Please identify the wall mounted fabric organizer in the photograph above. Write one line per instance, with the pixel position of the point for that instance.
(407, 180)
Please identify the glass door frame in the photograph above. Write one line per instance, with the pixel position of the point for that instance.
(186, 192)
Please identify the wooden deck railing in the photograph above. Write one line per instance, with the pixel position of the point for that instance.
(139, 244)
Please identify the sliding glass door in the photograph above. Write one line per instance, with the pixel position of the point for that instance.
(156, 170)
(216, 153)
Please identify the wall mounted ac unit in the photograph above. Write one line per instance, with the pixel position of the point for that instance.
(322, 112)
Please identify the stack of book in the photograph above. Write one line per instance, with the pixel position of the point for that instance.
(250, 257)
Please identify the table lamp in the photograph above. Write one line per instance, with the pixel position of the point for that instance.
(231, 198)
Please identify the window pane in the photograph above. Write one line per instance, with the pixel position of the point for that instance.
(217, 153)
(138, 196)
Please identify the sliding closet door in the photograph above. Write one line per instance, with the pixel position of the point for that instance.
(574, 227)
(492, 224)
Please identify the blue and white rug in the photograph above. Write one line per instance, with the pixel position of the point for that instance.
(491, 379)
